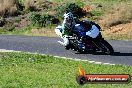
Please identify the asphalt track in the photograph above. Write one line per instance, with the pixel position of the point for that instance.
(45, 45)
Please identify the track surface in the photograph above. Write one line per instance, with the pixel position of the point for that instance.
(45, 45)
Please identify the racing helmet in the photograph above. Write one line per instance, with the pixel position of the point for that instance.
(68, 17)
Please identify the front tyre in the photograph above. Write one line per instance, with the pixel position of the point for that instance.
(107, 48)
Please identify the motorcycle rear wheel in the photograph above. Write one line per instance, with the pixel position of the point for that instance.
(106, 48)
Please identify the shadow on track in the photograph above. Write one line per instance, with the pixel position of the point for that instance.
(121, 54)
(93, 53)
(115, 53)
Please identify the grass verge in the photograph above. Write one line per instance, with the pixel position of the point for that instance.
(22, 70)
(32, 31)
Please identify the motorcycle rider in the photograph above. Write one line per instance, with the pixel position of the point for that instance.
(67, 26)
(69, 22)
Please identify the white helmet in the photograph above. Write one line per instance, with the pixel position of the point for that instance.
(68, 16)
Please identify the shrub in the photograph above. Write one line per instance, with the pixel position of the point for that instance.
(21, 1)
(9, 26)
(46, 20)
(41, 20)
(2, 22)
(76, 10)
(34, 18)
(70, 7)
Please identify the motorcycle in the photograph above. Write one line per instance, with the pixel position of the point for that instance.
(84, 41)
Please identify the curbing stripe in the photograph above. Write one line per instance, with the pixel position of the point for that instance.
(75, 59)
(112, 64)
(91, 61)
(4, 50)
(98, 63)
(84, 60)
(106, 63)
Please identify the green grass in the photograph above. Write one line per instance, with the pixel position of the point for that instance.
(22, 70)
(28, 31)
(22, 31)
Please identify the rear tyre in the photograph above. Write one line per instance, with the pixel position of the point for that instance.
(107, 48)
